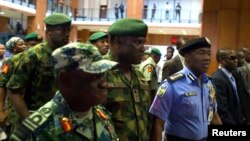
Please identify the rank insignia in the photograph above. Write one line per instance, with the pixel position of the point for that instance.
(161, 90)
(66, 124)
(101, 114)
(175, 77)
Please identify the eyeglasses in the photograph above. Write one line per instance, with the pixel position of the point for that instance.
(231, 58)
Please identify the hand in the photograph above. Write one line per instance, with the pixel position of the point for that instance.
(3, 117)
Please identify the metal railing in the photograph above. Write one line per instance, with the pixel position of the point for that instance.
(184, 16)
(27, 3)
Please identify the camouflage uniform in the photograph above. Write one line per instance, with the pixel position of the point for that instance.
(34, 72)
(8, 68)
(51, 128)
(128, 101)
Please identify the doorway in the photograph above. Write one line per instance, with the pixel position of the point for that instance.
(103, 11)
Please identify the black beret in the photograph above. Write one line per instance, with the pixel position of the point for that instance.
(128, 27)
(196, 43)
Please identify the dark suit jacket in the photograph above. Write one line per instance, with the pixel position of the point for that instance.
(229, 108)
(244, 96)
(171, 67)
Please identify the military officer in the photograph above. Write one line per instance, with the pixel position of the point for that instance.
(129, 94)
(34, 73)
(16, 46)
(186, 100)
(148, 68)
(32, 39)
(74, 114)
(100, 40)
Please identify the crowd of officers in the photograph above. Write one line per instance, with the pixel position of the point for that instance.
(108, 88)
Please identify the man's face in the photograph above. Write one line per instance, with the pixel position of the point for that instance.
(89, 88)
(102, 45)
(2, 50)
(59, 35)
(230, 61)
(130, 49)
(170, 54)
(241, 58)
(199, 60)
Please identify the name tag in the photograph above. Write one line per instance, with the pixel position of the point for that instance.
(190, 94)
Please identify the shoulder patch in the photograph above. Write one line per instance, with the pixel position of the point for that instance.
(161, 90)
(175, 77)
(5, 68)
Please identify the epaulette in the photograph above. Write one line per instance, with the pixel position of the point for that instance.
(32, 122)
(175, 77)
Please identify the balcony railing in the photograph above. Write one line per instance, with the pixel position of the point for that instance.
(107, 14)
(27, 3)
(185, 16)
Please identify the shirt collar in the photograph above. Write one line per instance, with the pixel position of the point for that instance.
(190, 77)
(228, 74)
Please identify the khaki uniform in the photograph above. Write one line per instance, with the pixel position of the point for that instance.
(147, 67)
(129, 102)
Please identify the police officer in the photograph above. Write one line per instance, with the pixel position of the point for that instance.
(148, 68)
(74, 114)
(186, 100)
(34, 73)
(100, 40)
(129, 94)
(32, 39)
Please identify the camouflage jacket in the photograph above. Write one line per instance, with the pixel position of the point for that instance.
(129, 102)
(35, 74)
(46, 124)
(7, 68)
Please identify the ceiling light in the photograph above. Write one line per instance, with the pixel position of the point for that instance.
(2, 13)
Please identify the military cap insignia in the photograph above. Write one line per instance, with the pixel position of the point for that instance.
(175, 77)
(190, 93)
(66, 124)
(5, 68)
(162, 90)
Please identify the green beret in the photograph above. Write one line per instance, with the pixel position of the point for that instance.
(156, 51)
(57, 19)
(32, 36)
(128, 27)
(196, 43)
(97, 36)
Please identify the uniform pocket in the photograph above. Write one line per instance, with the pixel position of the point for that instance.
(190, 106)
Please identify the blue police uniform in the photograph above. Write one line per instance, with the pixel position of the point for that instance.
(186, 107)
